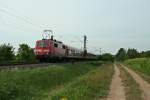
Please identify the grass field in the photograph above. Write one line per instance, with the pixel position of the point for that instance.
(35, 84)
(141, 66)
(92, 86)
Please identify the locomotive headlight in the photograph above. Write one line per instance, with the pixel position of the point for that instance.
(38, 50)
(45, 50)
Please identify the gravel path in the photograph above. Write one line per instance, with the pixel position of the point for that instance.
(116, 89)
(144, 86)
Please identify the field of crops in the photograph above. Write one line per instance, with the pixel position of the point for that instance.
(141, 66)
(55, 81)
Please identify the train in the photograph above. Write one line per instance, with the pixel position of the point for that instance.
(53, 50)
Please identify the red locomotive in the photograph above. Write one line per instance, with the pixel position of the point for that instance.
(51, 49)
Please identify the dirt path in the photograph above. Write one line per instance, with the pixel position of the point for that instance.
(116, 89)
(145, 87)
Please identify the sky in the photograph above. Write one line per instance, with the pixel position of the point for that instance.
(108, 24)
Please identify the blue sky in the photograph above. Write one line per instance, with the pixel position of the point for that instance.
(109, 24)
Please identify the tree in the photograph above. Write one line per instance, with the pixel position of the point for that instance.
(145, 54)
(132, 53)
(25, 54)
(121, 55)
(6, 53)
(106, 57)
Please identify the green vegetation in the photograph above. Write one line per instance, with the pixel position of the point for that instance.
(93, 85)
(25, 54)
(145, 54)
(121, 55)
(140, 65)
(132, 89)
(35, 84)
(124, 54)
(6, 53)
(132, 53)
(106, 57)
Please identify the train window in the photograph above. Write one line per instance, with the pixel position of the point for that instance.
(59, 45)
(56, 45)
(42, 44)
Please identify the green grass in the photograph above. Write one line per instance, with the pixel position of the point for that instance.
(132, 89)
(93, 85)
(35, 84)
(141, 66)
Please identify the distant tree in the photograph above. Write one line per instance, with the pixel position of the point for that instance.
(25, 54)
(145, 53)
(132, 53)
(106, 57)
(121, 54)
(6, 53)
(142, 54)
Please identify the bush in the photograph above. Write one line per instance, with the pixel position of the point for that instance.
(6, 53)
(106, 57)
(25, 54)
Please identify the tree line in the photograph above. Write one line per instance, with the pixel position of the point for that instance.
(131, 53)
(25, 54)
(124, 54)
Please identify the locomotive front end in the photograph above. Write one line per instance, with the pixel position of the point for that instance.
(42, 49)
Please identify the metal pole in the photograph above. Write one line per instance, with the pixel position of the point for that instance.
(85, 48)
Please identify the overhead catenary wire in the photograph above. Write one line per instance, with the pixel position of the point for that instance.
(17, 17)
(6, 9)
(22, 15)
(14, 13)
(12, 26)
(78, 39)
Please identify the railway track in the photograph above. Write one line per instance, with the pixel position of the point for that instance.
(24, 66)
(33, 65)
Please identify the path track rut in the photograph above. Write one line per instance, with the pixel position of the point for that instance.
(116, 89)
(144, 86)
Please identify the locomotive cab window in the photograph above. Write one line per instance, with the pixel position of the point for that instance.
(42, 44)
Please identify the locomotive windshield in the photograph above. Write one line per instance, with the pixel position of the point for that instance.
(42, 44)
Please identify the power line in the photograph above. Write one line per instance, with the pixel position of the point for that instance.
(12, 9)
(5, 9)
(78, 39)
(22, 15)
(16, 16)
(19, 28)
